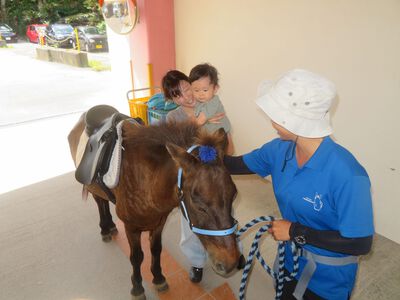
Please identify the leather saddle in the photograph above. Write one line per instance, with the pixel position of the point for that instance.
(100, 126)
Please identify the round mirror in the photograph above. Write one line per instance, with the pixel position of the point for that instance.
(120, 15)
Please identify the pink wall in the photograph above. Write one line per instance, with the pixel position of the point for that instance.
(153, 40)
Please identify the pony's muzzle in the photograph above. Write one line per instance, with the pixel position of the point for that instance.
(223, 269)
(226, 265)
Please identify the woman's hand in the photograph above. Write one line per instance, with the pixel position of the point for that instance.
(215, 119)
(280, 230)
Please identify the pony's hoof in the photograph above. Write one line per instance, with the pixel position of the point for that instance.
(161, 287)
(113, 231)
(106, 237)
(139, 297)
(138, 293)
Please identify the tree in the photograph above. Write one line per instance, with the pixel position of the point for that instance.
(3, 10)
(19, 13)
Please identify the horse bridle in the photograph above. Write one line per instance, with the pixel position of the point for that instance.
(197, 230)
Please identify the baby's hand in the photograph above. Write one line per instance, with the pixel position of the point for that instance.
(201, 119)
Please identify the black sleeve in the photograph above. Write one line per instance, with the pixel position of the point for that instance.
(236, 165)
(330, 240)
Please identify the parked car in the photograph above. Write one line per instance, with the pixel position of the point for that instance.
(8, 34)
(91, 39)
(33, 30)
(59, 35)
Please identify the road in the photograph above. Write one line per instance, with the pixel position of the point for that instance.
(34, 89)
(39, 104)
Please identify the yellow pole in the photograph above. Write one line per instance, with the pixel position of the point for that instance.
(150, 78)
(132, 78)
(78, 46)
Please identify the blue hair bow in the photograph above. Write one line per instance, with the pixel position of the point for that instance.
(207, 154)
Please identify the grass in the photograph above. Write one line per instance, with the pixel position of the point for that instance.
(6, 46)
(98, 66)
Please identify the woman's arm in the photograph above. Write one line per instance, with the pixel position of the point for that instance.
(283, 230)
(216, 119)
(236, 165)
(331, 240)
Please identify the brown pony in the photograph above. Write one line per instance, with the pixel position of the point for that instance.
(147, 192)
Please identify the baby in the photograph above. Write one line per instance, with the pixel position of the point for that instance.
(204, 81)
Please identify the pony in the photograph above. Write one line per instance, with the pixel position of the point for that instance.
(158, 174)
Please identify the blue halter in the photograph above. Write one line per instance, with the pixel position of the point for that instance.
(197, 230)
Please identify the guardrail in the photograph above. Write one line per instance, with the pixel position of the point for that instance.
(65, 56)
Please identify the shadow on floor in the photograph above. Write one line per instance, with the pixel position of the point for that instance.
(51, 249)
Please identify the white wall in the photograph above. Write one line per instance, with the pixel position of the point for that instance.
(355, 43)
(120, 58)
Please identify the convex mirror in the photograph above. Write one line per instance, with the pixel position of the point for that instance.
(120, 15)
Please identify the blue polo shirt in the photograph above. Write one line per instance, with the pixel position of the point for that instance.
(330, 192)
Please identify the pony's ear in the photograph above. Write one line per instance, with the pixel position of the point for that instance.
(181, 157)
(221, 141)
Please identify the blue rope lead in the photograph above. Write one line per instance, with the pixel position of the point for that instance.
(254, 250)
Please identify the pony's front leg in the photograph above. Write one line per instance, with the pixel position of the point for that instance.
(136, 258)
(108, 228)
(156, 246)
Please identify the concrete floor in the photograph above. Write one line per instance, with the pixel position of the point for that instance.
(51, 249)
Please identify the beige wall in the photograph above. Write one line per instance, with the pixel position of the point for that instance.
(355, 43)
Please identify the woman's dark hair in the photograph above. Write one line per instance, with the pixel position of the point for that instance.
(204, 70)
(170, 83)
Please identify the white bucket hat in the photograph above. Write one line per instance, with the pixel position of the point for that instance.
(299, 101)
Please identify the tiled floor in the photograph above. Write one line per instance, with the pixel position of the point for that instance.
(180, 286)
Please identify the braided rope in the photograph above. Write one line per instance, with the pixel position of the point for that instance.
(57, 41)
(255, 251)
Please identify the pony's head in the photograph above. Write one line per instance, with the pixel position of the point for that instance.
(208, 193)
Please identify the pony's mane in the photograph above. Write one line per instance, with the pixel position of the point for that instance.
(179, 133)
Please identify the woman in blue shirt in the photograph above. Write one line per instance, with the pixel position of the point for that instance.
(323, 193)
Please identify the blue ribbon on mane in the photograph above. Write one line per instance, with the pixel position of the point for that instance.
(207, 154)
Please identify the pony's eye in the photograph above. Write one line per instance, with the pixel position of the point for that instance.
(196, 198)
(202, 209)
(199, 204)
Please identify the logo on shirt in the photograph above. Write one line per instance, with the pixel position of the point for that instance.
(317, 201)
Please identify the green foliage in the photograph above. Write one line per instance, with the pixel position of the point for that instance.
(84, 19)
(98, 66)
(101, 26)
(20, 13)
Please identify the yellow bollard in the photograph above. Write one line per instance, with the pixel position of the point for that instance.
(78, 46)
